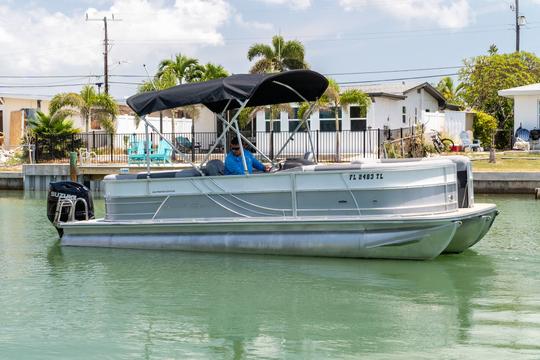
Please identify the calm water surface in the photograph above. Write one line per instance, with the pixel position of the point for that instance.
(120, 304)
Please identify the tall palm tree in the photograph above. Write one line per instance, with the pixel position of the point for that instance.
(282, 55)
(185, 69)
(90, 105)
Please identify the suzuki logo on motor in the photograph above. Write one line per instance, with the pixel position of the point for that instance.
(63, 196)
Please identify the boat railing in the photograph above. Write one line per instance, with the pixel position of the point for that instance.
(71, 206)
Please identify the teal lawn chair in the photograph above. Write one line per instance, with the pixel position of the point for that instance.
(163, 154)
(136, 153)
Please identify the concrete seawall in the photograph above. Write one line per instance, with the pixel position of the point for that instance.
(11, 181)
(506, 182)
(37, 178)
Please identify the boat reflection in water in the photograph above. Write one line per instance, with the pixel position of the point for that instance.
(226, 305)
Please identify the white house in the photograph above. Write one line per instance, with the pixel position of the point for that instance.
(393, 106)
(526, 105)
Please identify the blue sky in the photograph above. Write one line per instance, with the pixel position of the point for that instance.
(52, 38)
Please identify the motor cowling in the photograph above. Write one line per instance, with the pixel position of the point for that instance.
(69, 190)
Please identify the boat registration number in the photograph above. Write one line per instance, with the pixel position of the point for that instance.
(365, 176)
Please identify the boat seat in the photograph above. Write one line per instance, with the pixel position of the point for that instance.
(295, 162)
(214, 168)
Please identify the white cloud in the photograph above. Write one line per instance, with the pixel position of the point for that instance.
(239, 19)
(36, 40)
(295, 4)
(445, 13)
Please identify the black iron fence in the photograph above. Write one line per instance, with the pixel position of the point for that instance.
(96, 147)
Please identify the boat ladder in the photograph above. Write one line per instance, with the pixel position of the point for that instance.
(71, 206)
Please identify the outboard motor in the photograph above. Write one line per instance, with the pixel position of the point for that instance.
(69, 190)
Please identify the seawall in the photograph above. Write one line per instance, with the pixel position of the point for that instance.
(506, 182)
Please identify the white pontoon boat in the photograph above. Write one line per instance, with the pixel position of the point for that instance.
(410, 209)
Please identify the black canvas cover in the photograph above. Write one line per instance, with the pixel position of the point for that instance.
(260, 89)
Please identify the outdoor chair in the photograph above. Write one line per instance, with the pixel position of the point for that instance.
(467, 143)
(86, 156)
(138, 154)
(163, 154)
(185, 145)
(133, 146)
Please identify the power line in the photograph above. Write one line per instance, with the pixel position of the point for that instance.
(393, 71)
(396, 79)
(41, 85)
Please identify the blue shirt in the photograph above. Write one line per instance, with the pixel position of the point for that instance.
(234, 165)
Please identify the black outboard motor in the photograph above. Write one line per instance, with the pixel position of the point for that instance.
(72, 191)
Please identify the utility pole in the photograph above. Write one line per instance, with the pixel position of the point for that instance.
(520, 21)
(106, 49)
(517, 26)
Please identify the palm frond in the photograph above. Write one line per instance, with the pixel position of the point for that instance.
(64, 100)
(260, 50)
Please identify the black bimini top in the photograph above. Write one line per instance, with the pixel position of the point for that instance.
(260, 89)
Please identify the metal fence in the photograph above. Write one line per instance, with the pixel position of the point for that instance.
(96, 148)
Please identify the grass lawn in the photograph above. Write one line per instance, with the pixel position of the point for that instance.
(509, 161)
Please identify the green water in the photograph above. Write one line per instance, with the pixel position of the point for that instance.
(70, 303)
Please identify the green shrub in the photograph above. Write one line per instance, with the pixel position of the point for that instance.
(484, 127)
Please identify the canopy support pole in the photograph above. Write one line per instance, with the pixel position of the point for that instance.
(220, 137)
(147, 147)
(233, 122)
(304, 119)
(186, 159)
(308, 113)
(246, 140)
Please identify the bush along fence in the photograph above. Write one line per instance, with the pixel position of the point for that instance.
(96, 147)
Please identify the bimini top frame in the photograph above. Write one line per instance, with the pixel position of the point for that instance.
(234, 93)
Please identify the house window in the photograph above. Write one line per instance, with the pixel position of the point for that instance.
(358, 118)
(294, 120)
(327, 118)
(275, 122)
(404, 114)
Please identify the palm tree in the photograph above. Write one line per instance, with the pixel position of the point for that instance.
(164, 81)
(54, 128)
(184, 69)
(90, 105)
(212, 71)
(450, 92)
(55, 124)
(282, 55)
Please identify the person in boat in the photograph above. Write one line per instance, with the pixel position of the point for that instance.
(234, 164)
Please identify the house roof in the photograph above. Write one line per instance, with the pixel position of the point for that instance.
(399, 91)
(25, 96)
(532, 89)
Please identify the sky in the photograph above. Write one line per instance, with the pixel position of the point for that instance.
(355, 41)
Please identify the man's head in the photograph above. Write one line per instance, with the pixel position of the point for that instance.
(235, 146)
